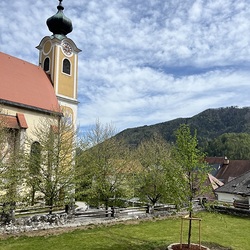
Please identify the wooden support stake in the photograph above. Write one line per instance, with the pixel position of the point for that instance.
(187, 218)
(181, 233)
(200, 234)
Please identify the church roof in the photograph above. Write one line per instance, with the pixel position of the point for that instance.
(26, 85)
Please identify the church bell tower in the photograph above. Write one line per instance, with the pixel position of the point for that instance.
(58, 56)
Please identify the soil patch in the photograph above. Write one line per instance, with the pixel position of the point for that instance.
(210, 245)
(185, 247)
(214, 246)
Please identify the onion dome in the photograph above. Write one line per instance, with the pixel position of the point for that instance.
(59, 24)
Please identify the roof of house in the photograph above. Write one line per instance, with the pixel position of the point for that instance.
(14, 122)
(239, 185)
(26, 85)
(227, 170)
(215, 183)
(215, 163)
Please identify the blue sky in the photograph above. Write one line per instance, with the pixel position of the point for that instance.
(143, 61)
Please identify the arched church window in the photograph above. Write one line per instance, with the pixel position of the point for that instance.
(66, 66)
(34, 168)
(46, 64)
(35, 158)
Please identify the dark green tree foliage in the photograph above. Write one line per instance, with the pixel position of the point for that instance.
(234, 146)
(194, 169)
(154, 180)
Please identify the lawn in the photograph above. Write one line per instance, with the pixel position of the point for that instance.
(224, 230)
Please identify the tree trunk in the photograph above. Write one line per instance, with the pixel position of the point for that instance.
(106, 209)
(33, 191)
(190, 229)
(190, 208)
(50, 204)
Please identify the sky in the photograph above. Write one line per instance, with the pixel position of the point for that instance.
(143, 61)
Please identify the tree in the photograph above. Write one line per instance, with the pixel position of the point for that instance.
(103, 167)
(233, 145)
(155, 179)
(11, 168)
(194, 169)
(51, 159)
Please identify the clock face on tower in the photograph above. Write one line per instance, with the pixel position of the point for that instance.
(67, 49)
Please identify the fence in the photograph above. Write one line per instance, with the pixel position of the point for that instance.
(39, 210)
(125, 212)
(236, 208)
(111, 212)
(241, 204)
(8, 211)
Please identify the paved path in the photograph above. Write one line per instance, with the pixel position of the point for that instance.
(81, 206)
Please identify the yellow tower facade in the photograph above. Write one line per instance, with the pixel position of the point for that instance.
(58, 56)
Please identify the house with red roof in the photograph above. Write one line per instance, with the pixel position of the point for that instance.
(226, 170)
(234, 177)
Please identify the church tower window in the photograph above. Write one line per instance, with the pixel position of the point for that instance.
(66, 66)
(46, 64)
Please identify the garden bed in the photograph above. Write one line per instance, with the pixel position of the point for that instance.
(178, 246)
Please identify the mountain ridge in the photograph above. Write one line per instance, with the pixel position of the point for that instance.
(209, 124)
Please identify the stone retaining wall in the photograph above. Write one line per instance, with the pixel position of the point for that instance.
(37, 222)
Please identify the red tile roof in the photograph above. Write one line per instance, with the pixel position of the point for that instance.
(228, 169)
(21, 120)
(16, 122)
(25, 84)
(234, 169)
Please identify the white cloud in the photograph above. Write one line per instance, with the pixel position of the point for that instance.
(144, 62)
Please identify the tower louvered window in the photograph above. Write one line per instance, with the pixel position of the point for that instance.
(66, 66)
(46, 64)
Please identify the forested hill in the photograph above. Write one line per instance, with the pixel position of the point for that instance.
(209, 124)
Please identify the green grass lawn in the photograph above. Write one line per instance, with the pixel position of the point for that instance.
(224, 230)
